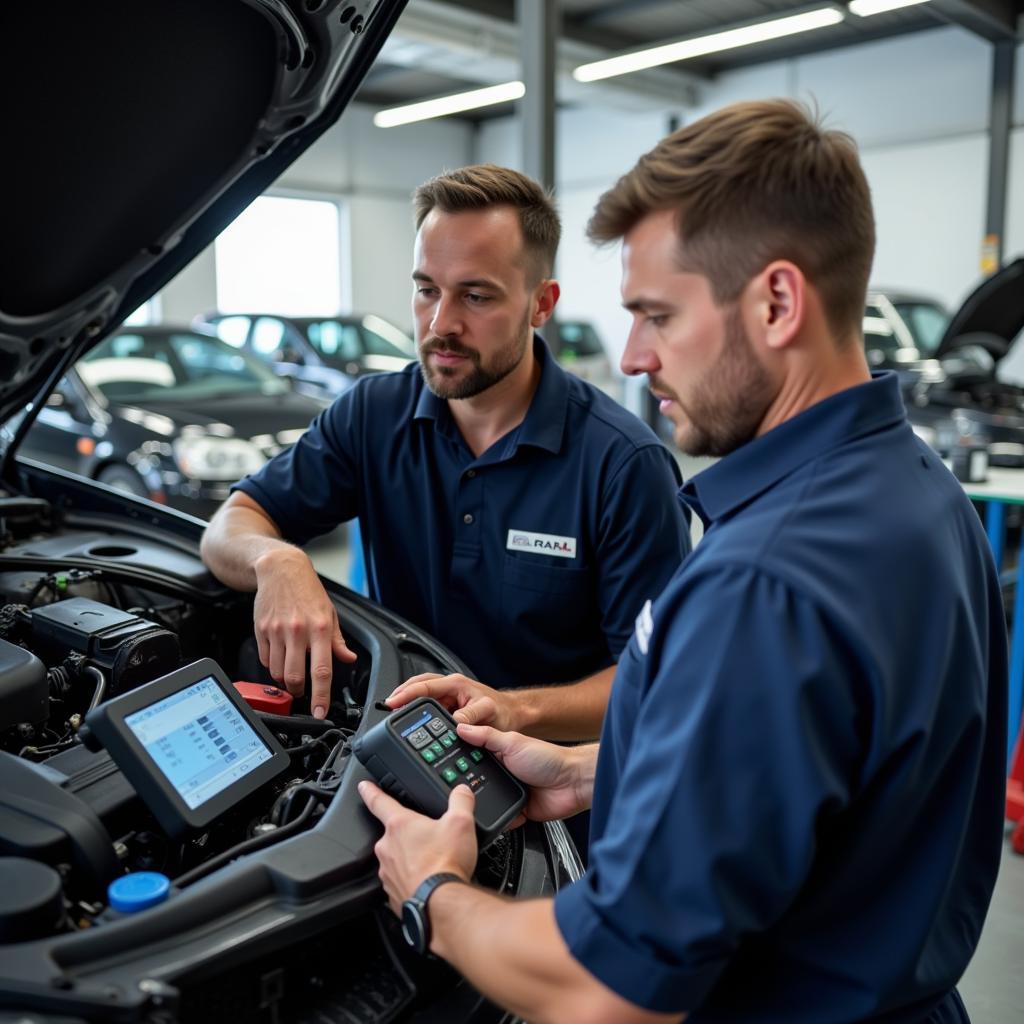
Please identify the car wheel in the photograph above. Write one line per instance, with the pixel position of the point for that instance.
(123, 478)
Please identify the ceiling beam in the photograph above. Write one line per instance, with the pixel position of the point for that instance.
(991, 19)
(616, 9)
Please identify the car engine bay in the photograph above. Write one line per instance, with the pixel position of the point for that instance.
(91, 609)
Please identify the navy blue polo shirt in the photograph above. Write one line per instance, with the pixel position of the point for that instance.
(529, 562)
(798, 807)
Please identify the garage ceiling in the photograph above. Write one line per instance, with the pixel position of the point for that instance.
(445, 46)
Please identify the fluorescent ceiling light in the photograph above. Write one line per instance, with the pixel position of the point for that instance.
(697, 47)
(865, 8)
(444, 105)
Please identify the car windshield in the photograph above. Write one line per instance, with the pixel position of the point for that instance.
(341, 341)
(178, 367)
(579, 339)
(927, 323)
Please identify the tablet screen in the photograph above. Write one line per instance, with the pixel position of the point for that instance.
(199, 740)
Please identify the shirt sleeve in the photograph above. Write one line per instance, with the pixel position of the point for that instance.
(745, 738)
(644, 535)
(313, 486)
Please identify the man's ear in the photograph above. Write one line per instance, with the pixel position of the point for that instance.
(545, 299)
(777, 301)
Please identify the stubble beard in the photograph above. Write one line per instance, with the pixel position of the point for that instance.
(444, 381)
(727, 406)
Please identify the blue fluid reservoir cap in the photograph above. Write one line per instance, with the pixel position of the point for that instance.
(137, 891)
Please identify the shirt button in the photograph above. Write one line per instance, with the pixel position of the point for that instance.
(471, 473)
(467, 518)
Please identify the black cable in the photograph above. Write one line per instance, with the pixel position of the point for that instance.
(322, 794)
(316, 741)
(248, 846)
(340, 747)
(295, 723)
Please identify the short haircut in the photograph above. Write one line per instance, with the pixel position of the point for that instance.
(482, 186)
(752, 183)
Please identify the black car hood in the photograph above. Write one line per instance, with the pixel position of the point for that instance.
(995, 308)
(135, 133)
(248, 415)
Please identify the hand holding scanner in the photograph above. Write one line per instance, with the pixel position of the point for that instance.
(416, 755)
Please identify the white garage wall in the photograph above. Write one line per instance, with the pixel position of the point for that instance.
(373, 171)
(593, 148)
(918, 107)
(1015, 202)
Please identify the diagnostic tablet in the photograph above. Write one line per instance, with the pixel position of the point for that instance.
(188, 743)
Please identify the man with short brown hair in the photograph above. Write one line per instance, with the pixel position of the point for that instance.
(797, 805)
(514, 512)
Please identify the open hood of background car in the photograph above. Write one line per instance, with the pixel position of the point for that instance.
(135, 133)
(991, 316)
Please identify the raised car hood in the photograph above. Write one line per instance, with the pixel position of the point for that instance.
(135, 132)
(994, 308)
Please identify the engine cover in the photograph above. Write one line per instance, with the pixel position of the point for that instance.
(23, 688)
(130, 650)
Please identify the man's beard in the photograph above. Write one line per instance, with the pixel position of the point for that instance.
(445, 383)
(725, 408)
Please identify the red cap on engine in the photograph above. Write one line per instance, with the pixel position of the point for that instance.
(262, 697)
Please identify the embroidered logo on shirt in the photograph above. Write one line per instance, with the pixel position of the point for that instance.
(541, 543)
(644, 627)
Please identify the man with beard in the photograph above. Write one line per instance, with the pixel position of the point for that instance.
(798, 800)
(514, 512)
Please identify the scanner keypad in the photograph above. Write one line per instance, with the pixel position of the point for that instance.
(454, 761)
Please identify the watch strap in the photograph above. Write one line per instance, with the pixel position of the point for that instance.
(426, 888)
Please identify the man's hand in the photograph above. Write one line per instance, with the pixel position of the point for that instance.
(414, 846)
(468, 700)
(292, 614)
(560, 779)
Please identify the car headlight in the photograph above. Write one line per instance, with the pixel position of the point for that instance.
(217, 458)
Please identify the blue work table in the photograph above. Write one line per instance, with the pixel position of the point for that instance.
(1006, 487)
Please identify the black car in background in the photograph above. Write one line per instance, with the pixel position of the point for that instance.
(323, 355)
(117, 176)
(170, 415)
(957, 395)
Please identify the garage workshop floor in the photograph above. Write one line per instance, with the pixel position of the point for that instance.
(993, 987)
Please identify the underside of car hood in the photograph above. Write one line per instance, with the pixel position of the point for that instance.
(992, 315)
(136, 132)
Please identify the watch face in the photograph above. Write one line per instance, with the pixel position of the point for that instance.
(414, 925)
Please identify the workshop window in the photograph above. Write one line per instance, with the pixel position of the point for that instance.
(281, 255)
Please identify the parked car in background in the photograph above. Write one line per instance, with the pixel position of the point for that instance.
(579, 349)
(901, 329)
(957, 395)
(170, 415)
(321, 354)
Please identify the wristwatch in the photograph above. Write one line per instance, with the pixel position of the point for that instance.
(415, 920)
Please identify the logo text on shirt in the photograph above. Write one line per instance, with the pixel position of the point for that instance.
(644, 627)
(541, 543)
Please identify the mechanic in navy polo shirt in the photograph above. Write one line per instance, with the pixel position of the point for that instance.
(514, 512)
(798, 801)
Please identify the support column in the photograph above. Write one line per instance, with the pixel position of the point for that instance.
(539, 25)
(1004, 55)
